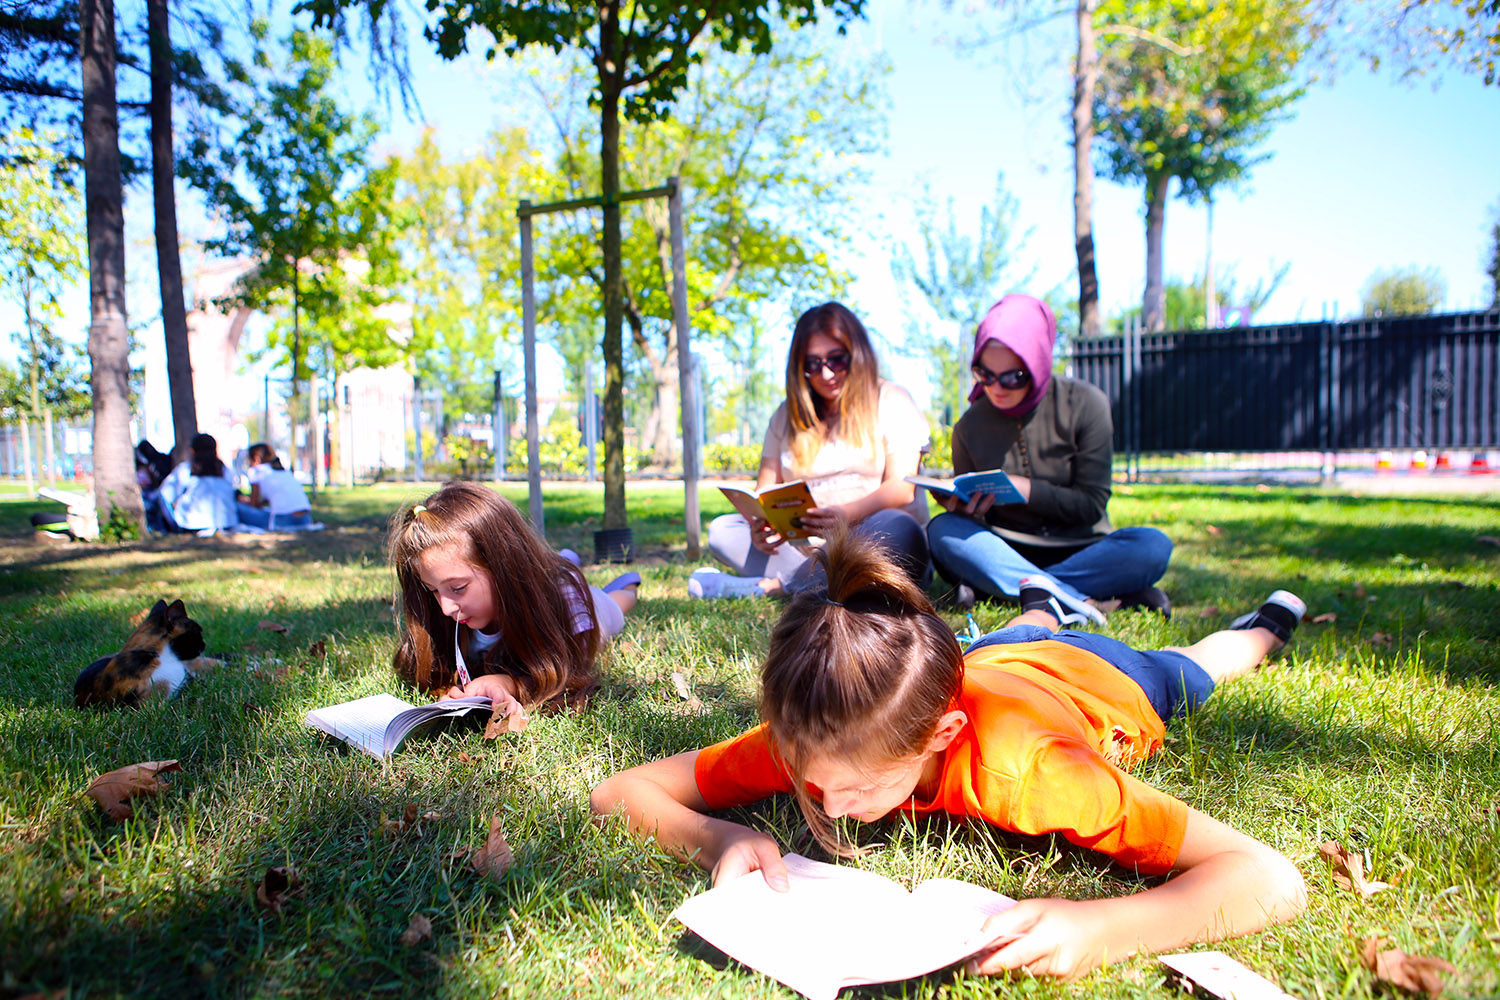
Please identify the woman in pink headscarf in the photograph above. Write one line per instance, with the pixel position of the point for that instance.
(1054, 436)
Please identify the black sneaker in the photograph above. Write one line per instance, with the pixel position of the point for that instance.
(1151, 598)
(1281, 614)
(1039, 593)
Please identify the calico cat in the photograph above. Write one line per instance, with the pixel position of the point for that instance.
(158, 658)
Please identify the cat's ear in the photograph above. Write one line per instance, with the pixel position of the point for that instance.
(176, 610)
(158, 611)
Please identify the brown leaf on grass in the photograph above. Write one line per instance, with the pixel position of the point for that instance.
(1422, 974)
(408, 821)
(270, 626)
(1380, 638)
(1327, 616)
(250, 709)
(685, 691)
(114, 790)
(1349, 869)
(317, 650)
(1359, 591)
(495, 857)
(277, 887)
(419, 930)
(464, 758)
(138, 617)
(508, 717)
(1215, 530)
(1212, 611)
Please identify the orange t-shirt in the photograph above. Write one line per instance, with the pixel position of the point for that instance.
(1048, 723)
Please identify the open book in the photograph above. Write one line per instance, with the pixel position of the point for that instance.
(839, 926)
(782, 504)
(967, 485)
(379, 724)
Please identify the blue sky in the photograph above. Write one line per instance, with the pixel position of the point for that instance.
(1368, 174)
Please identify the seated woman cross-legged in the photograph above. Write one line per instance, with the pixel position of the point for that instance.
(277, 499)
(198, 495)
(1054, 436)
(851, 437)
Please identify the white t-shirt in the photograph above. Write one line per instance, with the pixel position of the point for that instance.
(841, 472)
(279, 488)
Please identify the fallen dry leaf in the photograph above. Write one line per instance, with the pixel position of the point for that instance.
(1412, 973)
(464, 758)
(140, 615)
(685, 690)
(1380, 638)
(1215, 530)
(1212, 611)
(270, 626)
(114, 790)
(318, 650)
(508, 717)
(278, 886)
(1359, 591)
(420, 929)
(1327, 616)
(495, 857)
(408, 821)
(1349, 869)
(250, 709)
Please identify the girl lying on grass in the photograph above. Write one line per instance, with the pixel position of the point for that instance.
(870, 707)
(489, 610)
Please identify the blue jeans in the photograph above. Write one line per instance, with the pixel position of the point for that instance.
(896, 531)
(1123, 561)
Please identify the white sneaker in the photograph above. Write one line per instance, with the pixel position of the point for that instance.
(710, 584)
(1068, 609)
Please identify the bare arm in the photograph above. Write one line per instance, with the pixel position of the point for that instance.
(1228, 884)
(661, 800)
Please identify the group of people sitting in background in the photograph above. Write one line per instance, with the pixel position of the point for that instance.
(200, 493)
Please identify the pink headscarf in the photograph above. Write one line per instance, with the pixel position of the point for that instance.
(1027, 326)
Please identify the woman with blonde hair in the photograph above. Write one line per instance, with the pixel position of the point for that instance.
(852, 437)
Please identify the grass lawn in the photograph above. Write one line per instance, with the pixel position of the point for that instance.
(1379, 728)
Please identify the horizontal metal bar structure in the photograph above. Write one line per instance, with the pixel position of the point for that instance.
(1409, 382)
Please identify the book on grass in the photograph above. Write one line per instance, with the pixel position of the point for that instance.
(379, 724)
(839, 926)
(782, 504)
(969, 484)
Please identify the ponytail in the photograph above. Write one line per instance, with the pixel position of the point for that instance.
(859, 671)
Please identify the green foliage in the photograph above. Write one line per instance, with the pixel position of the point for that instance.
(1403, 292)
(41, 223)
(742, 459)
(470, 455)
(118, 527)
(1186, 301)
(959, 277)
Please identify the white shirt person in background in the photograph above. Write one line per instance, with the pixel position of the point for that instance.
(274, 493)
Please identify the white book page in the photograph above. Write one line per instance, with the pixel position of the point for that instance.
(360, 723)
(836, 926)
(423, 717)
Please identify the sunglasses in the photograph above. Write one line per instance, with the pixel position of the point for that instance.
(1013, 379)
(836, 362)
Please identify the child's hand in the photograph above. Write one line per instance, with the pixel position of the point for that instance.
(1044, 937)
(744, 851)
(764, 537)
(495, 687)
(825, 521)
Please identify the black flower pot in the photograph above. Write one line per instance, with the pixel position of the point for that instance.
(614, 545)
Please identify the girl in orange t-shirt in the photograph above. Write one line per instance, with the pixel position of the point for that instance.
(870, 706)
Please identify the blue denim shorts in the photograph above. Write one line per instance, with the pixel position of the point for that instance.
(1173, 683)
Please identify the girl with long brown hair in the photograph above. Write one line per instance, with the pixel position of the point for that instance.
(870, 708)
(852, 437)
(488, 609)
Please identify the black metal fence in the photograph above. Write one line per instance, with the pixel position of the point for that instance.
(1426, 382)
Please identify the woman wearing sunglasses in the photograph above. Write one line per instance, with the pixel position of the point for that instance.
(1054, 436)
(852, 438)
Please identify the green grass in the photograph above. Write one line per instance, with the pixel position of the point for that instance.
(1380, 729)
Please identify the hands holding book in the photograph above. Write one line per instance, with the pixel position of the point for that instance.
(979, 503)
(498, 688)
(821, 521)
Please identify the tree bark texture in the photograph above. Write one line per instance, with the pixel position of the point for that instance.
(611, 77)
(109, 343)
(1153, 303)
(168, 257)
(1085, 78)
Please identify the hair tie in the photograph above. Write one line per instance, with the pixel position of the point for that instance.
(833, 602)
(419, 508)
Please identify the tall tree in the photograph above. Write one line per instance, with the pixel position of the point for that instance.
(168, 258)
(1188, 89)
(1085, 82)
(640, 51)
(109, 339)
(1403, 292)
(959, 276)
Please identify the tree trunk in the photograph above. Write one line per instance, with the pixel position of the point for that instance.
(168, 259)
(611, 74)
(109, 342)
(1153, 303)
(1085, 77)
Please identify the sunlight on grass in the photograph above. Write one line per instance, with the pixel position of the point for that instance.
(1379, 727)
